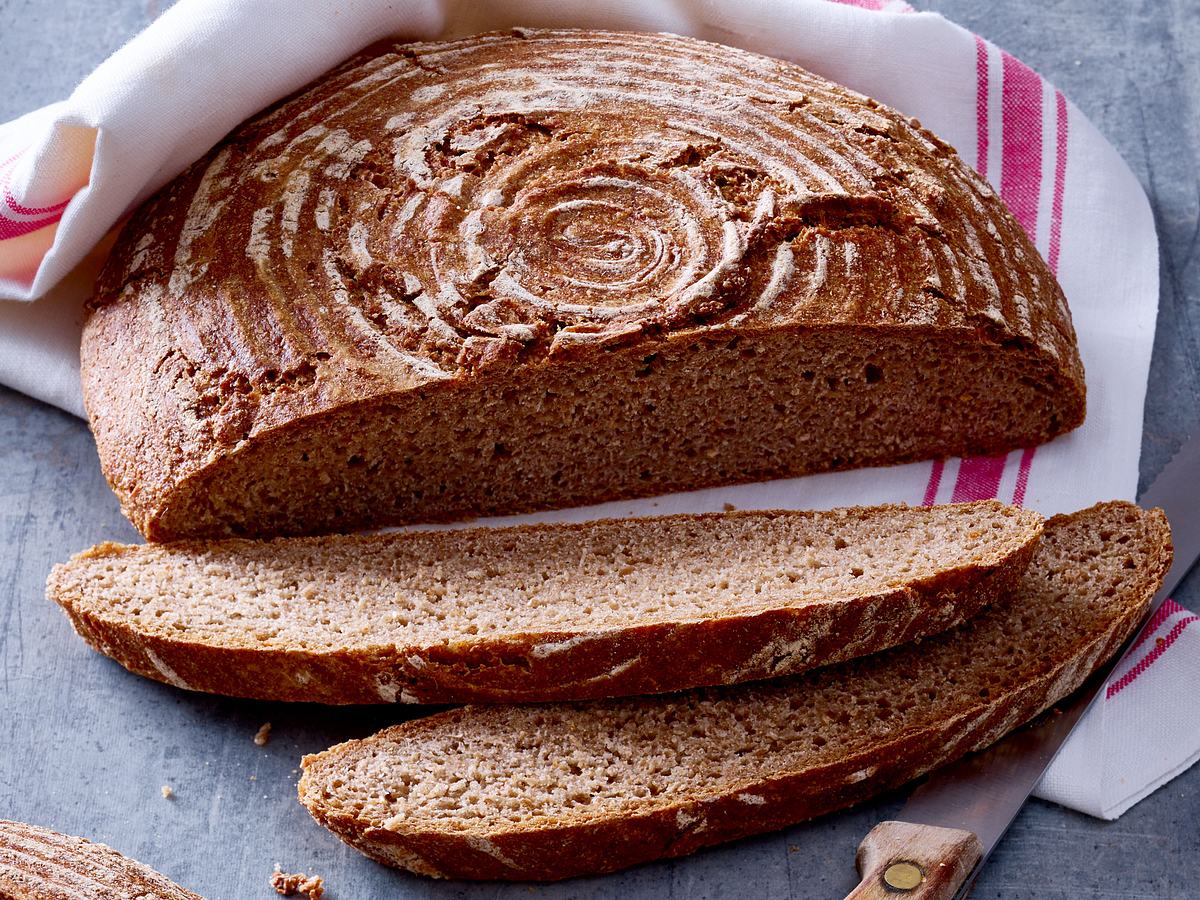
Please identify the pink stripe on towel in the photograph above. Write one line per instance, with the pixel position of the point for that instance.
(1021, 162)
(978, 478)
(17, 219)
(1161, 645)
(1060, 178)
(981, 106)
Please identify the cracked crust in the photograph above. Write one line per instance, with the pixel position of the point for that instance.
(556, 791)
(475, 249)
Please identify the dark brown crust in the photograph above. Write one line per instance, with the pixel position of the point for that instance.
(604, 845)
(39, 864)
(184, 384)
(639, 659)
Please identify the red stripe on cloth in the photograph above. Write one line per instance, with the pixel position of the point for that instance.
(10, 228)
(935, 481)
(978, 478)
(1021, 161)
(1060, 178)
(1023, 476)
(981, 107)
(1056, 218)
(43, 215)
(16, 207)
(874, 5)
(1161, 645)
(1164, 612)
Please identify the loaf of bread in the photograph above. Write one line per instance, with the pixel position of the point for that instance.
(547, 268)
(553, 791)
(39, 864)
(547, 612)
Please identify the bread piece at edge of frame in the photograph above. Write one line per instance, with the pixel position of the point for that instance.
(39, 864)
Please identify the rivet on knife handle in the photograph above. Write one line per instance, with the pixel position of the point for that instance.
(915, 862)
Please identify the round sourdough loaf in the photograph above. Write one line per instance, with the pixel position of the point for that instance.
(542, 268)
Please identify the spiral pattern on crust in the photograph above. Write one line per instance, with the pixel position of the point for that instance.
(458, 205)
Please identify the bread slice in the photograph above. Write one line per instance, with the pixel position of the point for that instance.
(548, 792)
(599, 609)
(39, 864)
(539, 269)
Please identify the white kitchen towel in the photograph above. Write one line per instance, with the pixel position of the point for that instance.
(1144, 732)
(70, 171)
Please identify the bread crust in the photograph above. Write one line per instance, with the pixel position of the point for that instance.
(208, 348)
(579, 843)
(39, 864)
(587, 848)
(639, 658)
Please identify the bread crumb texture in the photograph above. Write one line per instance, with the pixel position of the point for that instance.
(563, 611)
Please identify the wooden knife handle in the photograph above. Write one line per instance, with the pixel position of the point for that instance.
(902, 861)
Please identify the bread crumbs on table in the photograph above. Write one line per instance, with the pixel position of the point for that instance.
(289, 885)
(168, 792)
(263, 734)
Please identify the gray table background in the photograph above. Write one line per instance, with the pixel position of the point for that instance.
(85, 747)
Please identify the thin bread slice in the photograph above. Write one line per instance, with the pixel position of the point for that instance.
(39, 864)
(548, 612)
(554, 791)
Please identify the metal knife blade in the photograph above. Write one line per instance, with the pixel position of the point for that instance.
(983, 792)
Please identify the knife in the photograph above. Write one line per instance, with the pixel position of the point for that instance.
(953, 821)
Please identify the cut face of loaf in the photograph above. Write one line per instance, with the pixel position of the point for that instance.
(548, 792)
(548, 268)
(598, 609)
(39, 864)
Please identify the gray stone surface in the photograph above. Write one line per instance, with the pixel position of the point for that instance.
(85, 747)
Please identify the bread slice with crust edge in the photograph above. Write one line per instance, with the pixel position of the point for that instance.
(543, 612)
(555, 791)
